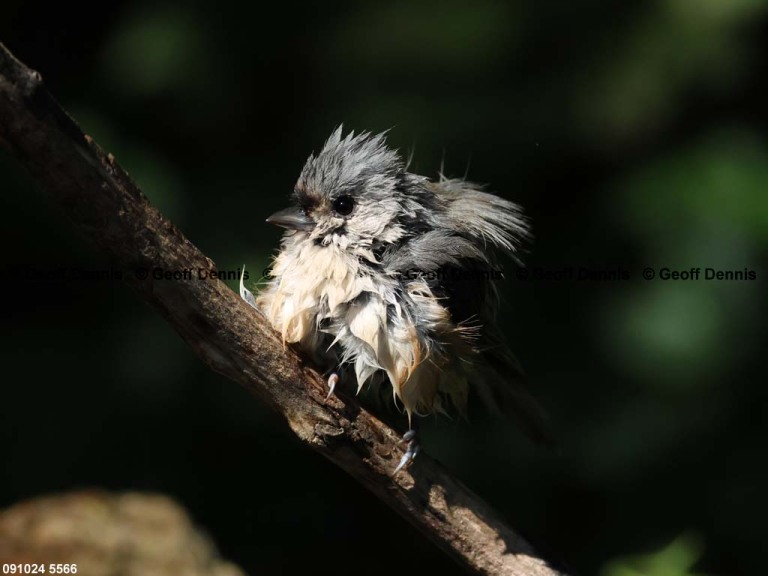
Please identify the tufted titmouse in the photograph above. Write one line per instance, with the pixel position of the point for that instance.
(384, 275)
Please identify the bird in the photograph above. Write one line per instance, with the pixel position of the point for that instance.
(389, 278)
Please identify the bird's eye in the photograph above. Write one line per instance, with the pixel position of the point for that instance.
(343, 205)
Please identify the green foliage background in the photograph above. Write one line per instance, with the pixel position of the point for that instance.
(634, 134)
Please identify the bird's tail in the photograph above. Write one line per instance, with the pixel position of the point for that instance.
(502, 387)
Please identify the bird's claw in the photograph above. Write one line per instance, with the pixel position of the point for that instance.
(414, 447)
(246, 294)
(333, 379)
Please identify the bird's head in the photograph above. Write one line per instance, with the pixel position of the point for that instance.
(354, 194)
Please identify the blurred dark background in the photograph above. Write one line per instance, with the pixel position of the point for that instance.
(634, 134)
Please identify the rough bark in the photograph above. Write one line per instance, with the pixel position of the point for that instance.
(233, 339)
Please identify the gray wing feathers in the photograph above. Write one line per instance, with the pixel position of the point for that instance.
(473, 219)
(434, 249)
(484, 217)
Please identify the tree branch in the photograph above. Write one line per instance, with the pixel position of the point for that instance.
(235, 340)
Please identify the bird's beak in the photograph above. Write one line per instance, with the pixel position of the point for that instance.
(293, 219)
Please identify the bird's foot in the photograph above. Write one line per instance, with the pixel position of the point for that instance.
(414, 447)
(333, 379)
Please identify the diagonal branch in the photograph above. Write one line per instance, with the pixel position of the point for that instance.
(233, 339)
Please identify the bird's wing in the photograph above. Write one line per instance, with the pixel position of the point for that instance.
(472, 229)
